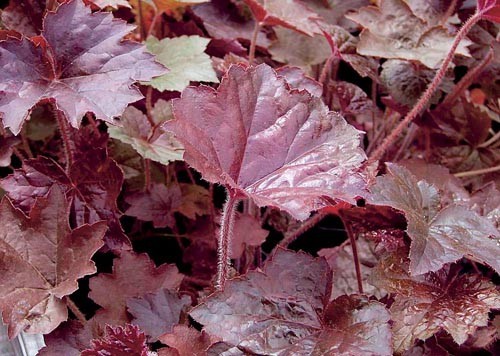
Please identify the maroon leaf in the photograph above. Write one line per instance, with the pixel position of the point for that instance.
(24, 16)
(438, 235)
(187, 341)
(267, 312)
(133, 276)
(355, 326)
(157, 313)
(73, 67)
(291, 14)
(41, 259)
(94, 182)
(119, 341)
(489, 9)
(457, 303)
(280, 147)
(68, 339)
(157, 205)
(247, 231)
(298, 79)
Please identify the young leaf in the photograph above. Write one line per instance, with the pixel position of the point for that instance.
(119, 341)
(267, 312)
(490, 9)
(438, 235)
(391, 30)
(185, 57)
(157, 313)
(281, 147)
(291, 14)
(78, 69)
(457, 303)
(133, 276)
(158, 204)
(187, 341)
(41, 259)
(151, 142)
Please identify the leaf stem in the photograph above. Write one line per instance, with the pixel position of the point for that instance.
(68, 145)
(253, 42)
(304, 227)
(224, 243)
(477, 172)
(427, 95)
(75, 310)
(355, 256)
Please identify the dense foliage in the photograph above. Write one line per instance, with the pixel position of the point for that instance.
(251, 177)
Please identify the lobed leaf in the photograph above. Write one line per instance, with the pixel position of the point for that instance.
(81, 71)
(41, 259)
(119, 341)
(281, 147)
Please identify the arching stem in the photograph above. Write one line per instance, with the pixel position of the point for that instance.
(253, 42)
(427, 95)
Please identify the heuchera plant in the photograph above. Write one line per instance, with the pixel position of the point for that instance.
(257, 177)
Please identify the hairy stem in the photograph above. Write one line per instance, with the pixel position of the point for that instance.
(68, 145)
(253, 42)
(427, 95)
(224, 243)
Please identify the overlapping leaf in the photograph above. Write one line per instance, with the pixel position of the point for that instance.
(280, 147)
(41, 259)
(151, 142)
(93, 180)
(438, 300)
(490, 9)
(133, 276)
(393, 31)
(186, 59)
(291, 14)
(80, 70)
(119, 341)
(157, 313)
(267, 312)
(439, 235)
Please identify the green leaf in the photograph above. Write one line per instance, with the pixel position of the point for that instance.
(186, 59)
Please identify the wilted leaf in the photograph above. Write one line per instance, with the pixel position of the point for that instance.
(187, 341)
(439, 235)
(280, 147)
(457, 303)
(393, 31)
(133, 276)
(82, 65)
(151, 142)
(119, 341)
(41, 259)
(299, 50)
(292, 14)
(157, 313)
(186, 59)
(266, 312)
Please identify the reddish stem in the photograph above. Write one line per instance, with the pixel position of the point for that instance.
(68, 145)
(253, 42)
(355, 256)
(225, 235)
(427, 95)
